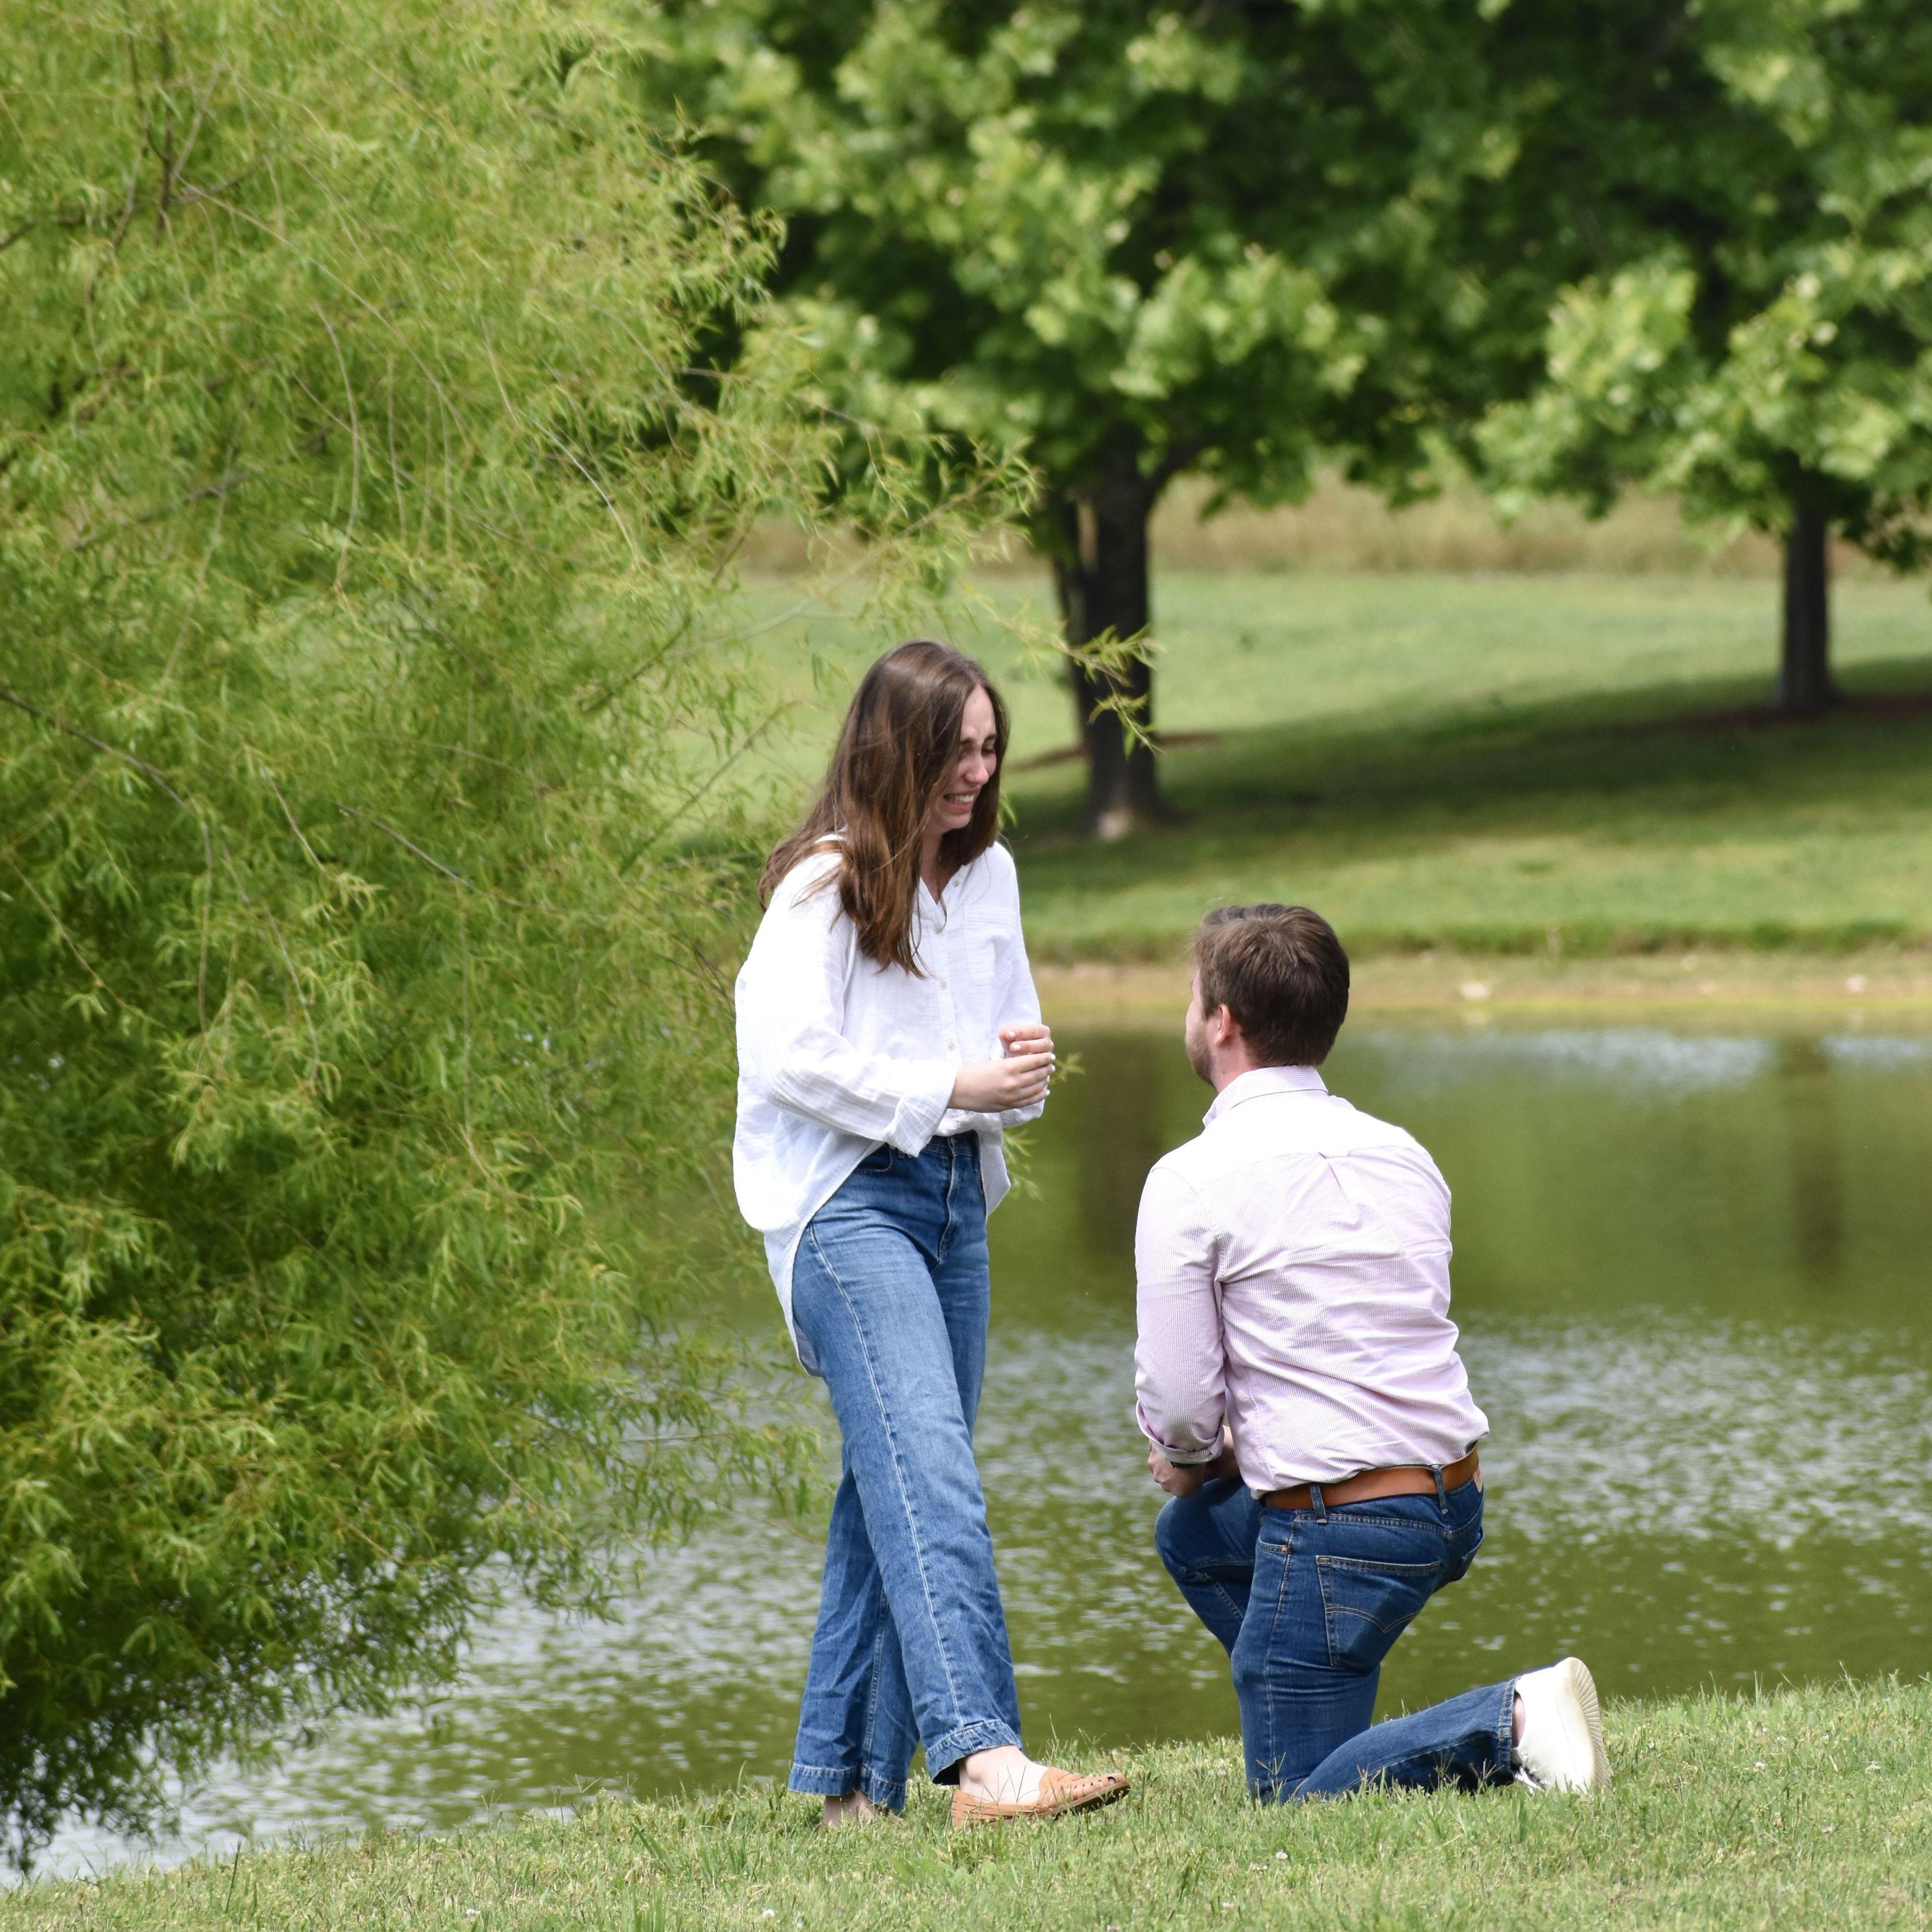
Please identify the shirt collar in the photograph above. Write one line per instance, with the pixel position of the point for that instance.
(957, 887)
(1259, 1081)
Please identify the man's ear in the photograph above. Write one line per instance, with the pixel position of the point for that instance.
(1222, 1027)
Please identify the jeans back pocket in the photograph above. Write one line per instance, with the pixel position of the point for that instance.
(1367, 1605)
(1462, 1552)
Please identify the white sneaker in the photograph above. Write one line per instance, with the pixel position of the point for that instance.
(1562, 1747)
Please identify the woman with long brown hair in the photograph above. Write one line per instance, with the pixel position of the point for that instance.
(888, 1030)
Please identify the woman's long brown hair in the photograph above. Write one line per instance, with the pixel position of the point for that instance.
(899, 748)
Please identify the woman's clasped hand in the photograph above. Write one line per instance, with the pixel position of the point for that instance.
(1020, 1080)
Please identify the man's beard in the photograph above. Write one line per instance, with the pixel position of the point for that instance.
(1197, 1055)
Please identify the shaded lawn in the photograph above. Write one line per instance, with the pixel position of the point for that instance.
(1482, 762)
(1809, 1808)
(1583, 824)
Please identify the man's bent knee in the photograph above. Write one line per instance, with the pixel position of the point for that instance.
(1170, 1537)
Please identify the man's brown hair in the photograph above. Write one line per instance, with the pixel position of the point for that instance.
(1282, 973)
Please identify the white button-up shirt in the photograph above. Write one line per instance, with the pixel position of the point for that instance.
(1294, 1283)
(837, 1055)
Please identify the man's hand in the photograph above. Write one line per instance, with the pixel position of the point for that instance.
(1189, 1479)
(1182, 1480)
(1020, 1080)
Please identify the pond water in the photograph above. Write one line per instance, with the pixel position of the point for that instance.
(1692, 1272)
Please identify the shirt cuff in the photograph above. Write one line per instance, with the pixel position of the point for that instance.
(924, 1106)
(1181, 1459)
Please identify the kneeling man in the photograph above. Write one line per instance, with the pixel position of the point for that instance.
(1298, 1381)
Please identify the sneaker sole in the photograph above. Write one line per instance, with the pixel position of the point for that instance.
(1581, 1685)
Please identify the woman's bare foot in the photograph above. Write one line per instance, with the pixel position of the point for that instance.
(1004, 1775)
(854, 1807)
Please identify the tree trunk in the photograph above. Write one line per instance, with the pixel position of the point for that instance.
(1100, 571)
(1804, 686)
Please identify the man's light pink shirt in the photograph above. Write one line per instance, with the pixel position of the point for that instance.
(1294, 1272)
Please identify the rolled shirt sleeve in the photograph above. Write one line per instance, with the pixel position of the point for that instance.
(792, 1050)
(1180, 1365)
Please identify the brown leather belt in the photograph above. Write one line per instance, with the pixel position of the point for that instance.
(1409, 1481)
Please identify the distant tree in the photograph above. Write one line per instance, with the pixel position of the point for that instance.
(1137, 241)
(368, 482)
(1756, 334)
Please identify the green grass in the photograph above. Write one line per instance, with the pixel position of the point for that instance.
(1810, 1808)
(1490, 763)
(1587, 826)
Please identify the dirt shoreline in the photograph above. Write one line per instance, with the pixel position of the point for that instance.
(1713, 987)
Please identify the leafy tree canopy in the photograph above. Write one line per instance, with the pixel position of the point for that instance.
(1757, 335)
(1131, 239)
(1134, 239)
(380, 404)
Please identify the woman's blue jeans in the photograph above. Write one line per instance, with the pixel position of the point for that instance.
(890, 1290)
(1307, 1604)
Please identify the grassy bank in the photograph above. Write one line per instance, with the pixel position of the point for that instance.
(1888, 986)
(1809, 1808)
(1566, 765)
(1578, 827)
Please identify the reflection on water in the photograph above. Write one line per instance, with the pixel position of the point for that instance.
(1691, 1274)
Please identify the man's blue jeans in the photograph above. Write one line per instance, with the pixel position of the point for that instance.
(1307, 1604)
(890, 1290)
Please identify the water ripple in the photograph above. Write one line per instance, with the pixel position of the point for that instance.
(1691, 1429)
(1644, 1061)
(1865, 1053)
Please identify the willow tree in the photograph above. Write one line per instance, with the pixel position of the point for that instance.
(1757, 334)
(369, 475)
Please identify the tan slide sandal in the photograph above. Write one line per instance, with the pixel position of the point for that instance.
(1060, 1792)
